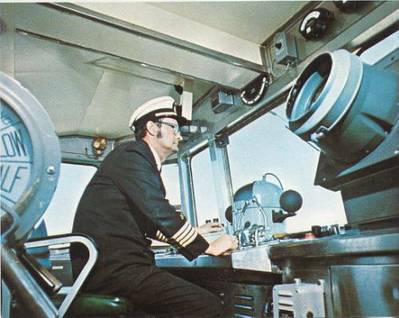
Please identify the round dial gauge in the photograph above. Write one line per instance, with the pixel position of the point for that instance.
(16, 156)
(29, 159)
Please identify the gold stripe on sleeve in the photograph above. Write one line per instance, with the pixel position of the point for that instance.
(182, 231)
(161, 237)
(191, 237)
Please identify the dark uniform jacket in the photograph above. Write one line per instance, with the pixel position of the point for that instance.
(123, 205)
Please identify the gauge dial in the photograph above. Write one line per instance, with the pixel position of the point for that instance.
(29, 159)
(16, 156)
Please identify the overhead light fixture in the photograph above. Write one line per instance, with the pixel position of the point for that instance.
(99, 144)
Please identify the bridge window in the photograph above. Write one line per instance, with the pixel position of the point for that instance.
(204, 189)
(170, 178)
(71, 184)
(266, 145)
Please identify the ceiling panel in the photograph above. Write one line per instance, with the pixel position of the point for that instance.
(254, 21)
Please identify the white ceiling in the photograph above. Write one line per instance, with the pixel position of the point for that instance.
(253, 21)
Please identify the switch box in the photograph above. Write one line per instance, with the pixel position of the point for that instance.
(284, 48)
(223, 101)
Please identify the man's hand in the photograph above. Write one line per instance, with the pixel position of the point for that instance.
(224, 245)
(209, 228)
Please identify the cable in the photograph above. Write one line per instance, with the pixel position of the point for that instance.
(273, 175)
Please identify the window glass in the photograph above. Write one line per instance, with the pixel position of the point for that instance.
(170, 178)
(71, 184)
(266, 145)
(204, 188)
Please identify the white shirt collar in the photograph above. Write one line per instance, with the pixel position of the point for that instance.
(156, 156)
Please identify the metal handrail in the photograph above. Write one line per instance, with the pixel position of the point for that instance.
(68, 239)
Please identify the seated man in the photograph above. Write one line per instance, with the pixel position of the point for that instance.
(124, 205)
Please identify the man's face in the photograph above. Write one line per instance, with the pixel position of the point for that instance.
(168, 134)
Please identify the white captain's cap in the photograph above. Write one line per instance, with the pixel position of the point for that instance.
(154, 109)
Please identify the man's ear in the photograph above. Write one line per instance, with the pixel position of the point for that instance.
(151, 127)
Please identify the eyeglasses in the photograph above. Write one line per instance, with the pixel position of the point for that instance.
(175, 127)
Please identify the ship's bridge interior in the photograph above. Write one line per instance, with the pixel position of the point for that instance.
(292, 144)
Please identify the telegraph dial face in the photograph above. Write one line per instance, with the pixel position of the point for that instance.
(16, 156)
(29, 159)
